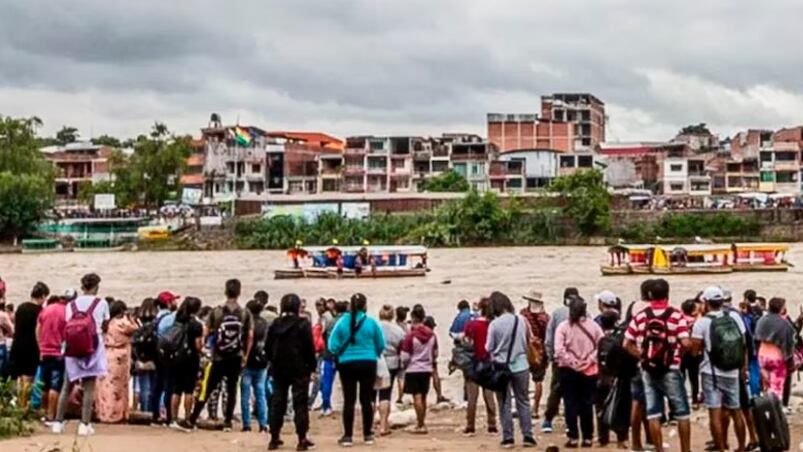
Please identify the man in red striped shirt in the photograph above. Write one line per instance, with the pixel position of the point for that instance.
(656, 336)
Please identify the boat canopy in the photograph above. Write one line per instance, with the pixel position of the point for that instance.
(699, 250)
(762, 247)
(374, 250)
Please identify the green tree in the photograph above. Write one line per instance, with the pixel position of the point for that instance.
(450, 181)
(67, 135)
(107, 140)
(695, 129)
(587, 200)
(26, 180)
(151, 175)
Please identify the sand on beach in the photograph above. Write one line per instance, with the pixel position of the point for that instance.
(456, 274)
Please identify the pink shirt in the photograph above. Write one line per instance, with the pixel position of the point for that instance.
(576, 345)
(51, 329)
(6, 327)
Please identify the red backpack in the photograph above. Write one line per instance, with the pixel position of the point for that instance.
(81, 332)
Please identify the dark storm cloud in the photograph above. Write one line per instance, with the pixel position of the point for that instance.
(369, 66)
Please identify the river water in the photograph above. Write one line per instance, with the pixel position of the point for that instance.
(456, 274)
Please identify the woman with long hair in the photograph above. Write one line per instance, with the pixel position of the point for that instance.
(576, 342)
(419, 351)
(111, 403)
(394, 335)
(184, 375)
(357, 343)
(508, 335)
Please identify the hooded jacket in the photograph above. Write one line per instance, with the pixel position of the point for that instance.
(368, 341)
(419, 349)
(291, 353)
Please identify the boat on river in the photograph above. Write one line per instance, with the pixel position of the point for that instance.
(336, 262)
(760, 257)
(664, 259)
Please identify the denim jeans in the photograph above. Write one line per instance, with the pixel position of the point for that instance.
(146, 380)
(327, 383)
(520, 388)
(671, 386)
(254, 378)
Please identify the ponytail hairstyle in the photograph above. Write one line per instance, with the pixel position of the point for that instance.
(418, 314)
(188, 308)
(577, 310)
(358, 304)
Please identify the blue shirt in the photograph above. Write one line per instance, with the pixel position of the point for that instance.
(165, 320)
(368, 344)
(460, 321)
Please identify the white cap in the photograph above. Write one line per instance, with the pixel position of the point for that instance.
(713, 293)
(70, 294)
(606, 297)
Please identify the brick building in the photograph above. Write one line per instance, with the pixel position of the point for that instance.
(77, 164)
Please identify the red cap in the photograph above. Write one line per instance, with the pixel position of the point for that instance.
(168, 297)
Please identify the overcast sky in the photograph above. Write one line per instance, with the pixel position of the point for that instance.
(414, 67)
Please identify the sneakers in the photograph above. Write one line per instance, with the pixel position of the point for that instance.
(327, 412)
(345, 441)
(369, 440)
(57, 428)
(529, 441)
(274, 445)
(246, 429)
(546, 426)
(176, 426)
(227, 427)
(507, 444)
(263, 430)
(305, 444)
(85, 429)
(493, 431)
(469, 432)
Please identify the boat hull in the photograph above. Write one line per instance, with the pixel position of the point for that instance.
(100, 250)
(761, 267)
(323, 273)
(44, 251)
(692, 270)
(608, 270)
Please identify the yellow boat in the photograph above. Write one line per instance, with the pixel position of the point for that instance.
(153, 233)
(760, 257)
(666, 259)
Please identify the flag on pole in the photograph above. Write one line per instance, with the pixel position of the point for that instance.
(242, 136)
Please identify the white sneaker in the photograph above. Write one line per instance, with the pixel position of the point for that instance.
(176, 426)
(326, 413)
(57, 428)
(85, 429)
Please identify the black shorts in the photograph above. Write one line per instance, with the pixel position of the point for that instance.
(52, 373)
(384, 394)
(186, 378)
(23, 363)
(539, 375)
(417, 383)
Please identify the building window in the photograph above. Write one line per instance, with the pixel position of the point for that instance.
(785, 156)
(230, 167)
(256, 168)
(676, 167)
(567, 161)
(676, 186)
(585, 161)
(767, 176)
(786, 177)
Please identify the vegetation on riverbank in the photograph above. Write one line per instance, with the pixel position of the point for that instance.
(684, 227)
(13, 420)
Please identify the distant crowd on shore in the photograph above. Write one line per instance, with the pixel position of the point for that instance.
(617, 372)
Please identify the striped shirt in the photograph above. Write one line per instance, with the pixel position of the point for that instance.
(677, 328)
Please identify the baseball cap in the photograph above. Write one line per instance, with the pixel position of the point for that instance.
(167, 297)
(69, 294)
(713, 293)
(606, 298)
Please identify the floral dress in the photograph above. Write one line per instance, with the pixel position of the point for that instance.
(111, 403)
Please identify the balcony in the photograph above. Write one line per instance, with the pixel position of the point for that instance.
(505, 169)
(354, 170)
(470, 156)
(330, 172)
(354, 151)
(422, 155)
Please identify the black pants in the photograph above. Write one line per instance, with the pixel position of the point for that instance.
(578, 393)
(690, 367)
(351, 374)
(230, 369)
(553, 400)
(162, 390)
(278, 405)
(604, 387)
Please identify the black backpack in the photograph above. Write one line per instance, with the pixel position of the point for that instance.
(614, 360)
(259, 354)
(727, 342)
(145, 342)
(174, 346)
(656, 351)
(229, 335)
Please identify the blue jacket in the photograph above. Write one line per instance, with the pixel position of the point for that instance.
(460, 321)
(368, 344)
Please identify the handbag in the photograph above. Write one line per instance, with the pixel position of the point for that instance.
(493, 375)
(616, 410)
(382, 380)
(535, 354)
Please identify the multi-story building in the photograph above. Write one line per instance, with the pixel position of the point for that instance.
(779, 166)
(513, 132)
(77, 164)
(470, 156)
(378, 164)
(584, 112)
(235, 163)
(536, 168)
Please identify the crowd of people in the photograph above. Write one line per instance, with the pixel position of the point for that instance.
(616, 373)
